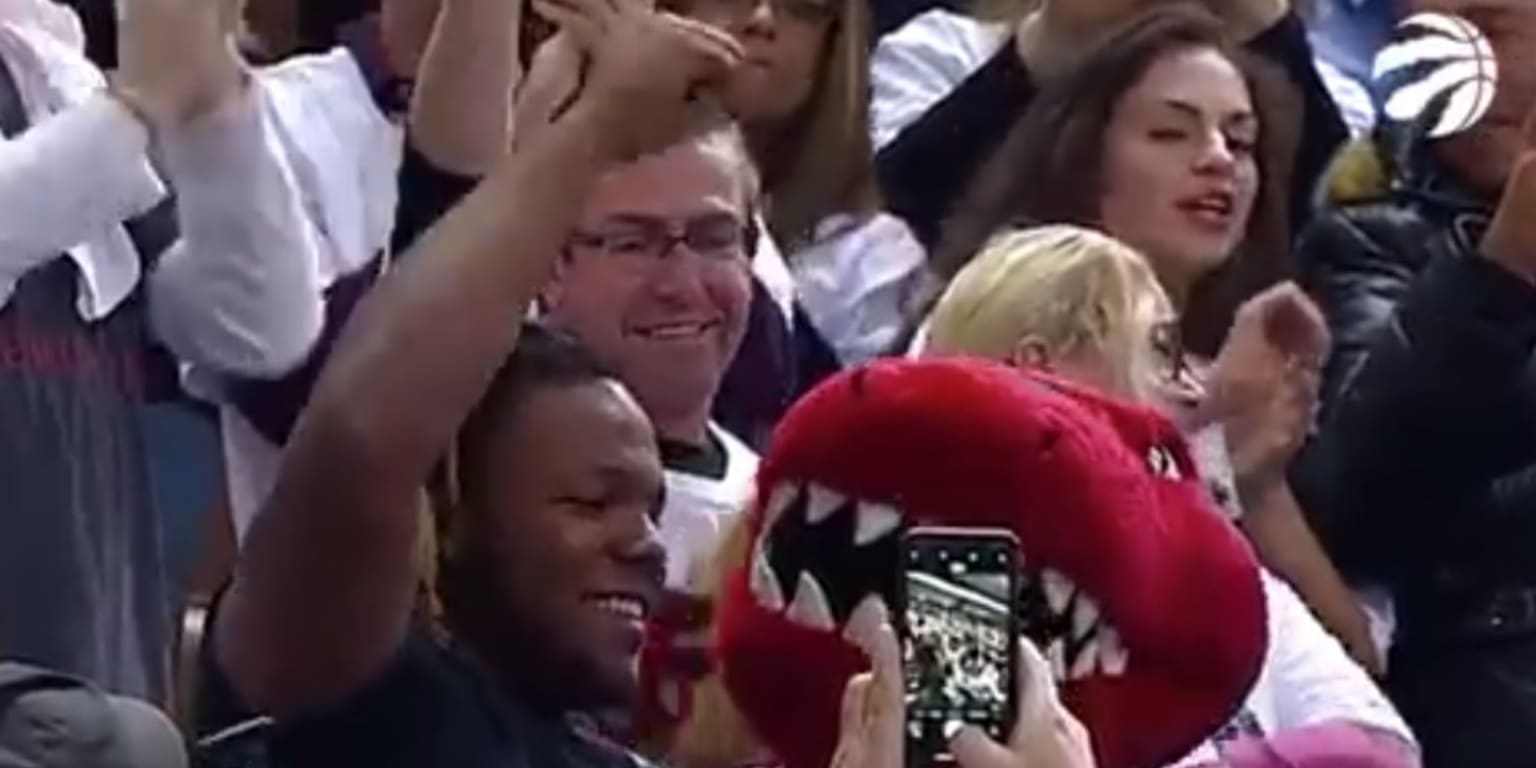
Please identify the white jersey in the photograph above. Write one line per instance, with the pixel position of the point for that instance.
(1308, 679)
(699, 510)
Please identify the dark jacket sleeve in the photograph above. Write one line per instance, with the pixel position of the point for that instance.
(1322, 127)
(927, 169)
(273, 406)
(1424, 396)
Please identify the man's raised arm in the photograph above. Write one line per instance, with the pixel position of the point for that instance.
(324, 590)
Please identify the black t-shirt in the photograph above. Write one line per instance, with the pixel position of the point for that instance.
(707, 460)
(432, 708)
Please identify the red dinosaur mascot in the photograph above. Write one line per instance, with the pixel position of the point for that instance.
(1148, 604)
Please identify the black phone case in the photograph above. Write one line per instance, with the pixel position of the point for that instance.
(918, 755)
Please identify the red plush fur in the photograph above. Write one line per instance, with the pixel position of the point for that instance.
(966, 443)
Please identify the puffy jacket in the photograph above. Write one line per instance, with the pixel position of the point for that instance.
(1422, 471)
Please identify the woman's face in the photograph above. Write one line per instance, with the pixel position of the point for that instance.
(784, 41)
(1179, 168)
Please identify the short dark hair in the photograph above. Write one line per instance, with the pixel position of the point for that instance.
(543, 358)
(1049, 168)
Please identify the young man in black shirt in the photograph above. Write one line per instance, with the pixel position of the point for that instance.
(548, 558)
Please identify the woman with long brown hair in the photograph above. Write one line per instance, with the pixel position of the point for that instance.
(949, 87)
(1169, 139)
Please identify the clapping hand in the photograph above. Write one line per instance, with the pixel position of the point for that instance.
(648, 73)
(1045, 735)
(550, 87)
(1263, 385)
(179, 59)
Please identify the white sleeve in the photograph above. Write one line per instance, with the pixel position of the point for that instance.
(1312, 679)
(240, 294)
(69, 179)
(859, 286)
(915, 67)
(1353, 99)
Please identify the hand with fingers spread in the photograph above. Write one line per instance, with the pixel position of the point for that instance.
(649, 74)
(179, 59)
(1511, 238)
(1045, 735)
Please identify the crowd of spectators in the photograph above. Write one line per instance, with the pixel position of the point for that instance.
(376, 375)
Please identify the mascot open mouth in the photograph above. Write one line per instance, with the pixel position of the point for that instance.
(827, 552)
(1146, 602)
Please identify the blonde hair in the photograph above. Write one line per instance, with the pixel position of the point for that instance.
(1070, 288)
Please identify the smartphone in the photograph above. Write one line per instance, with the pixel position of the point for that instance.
(959, 635)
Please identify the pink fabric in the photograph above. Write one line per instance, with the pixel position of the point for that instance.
(1326, 745)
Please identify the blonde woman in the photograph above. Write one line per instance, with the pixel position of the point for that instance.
(1088, 307)
(1066, 299)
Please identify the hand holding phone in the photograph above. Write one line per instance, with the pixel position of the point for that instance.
(958, 626)
(873, 722)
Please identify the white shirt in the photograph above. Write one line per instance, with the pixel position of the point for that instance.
(346, 157)
(1308, 679)
(859, 282)
(69, 182)
(916, 66)
(700, 510)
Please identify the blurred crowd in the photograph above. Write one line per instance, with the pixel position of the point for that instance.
(380, 378)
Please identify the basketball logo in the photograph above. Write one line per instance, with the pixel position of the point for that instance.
(1438, 72)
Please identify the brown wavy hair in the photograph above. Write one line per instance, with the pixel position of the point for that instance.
(1049, 168)
(823, 163)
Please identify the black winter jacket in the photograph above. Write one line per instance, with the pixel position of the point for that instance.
(1423, 469)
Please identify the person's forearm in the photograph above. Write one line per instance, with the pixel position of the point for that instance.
(70, 178)
(414, 359)
(927, 169)
(461, 113)
(1286, 545)
(241, 293)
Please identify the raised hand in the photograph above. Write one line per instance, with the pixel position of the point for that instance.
(178, 59)
(1263, 385)
(550, 87)
(650, 75)
(1511, 237)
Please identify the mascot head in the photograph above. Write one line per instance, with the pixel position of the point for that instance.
(1147, 603)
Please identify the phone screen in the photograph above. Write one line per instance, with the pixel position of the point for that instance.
(959, 647)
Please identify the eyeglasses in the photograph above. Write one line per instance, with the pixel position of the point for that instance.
(718, 238)
(1168, 346)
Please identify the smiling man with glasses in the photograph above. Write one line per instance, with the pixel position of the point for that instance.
(656, 281)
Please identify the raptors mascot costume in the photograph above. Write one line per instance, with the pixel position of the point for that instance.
(1147, 603)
